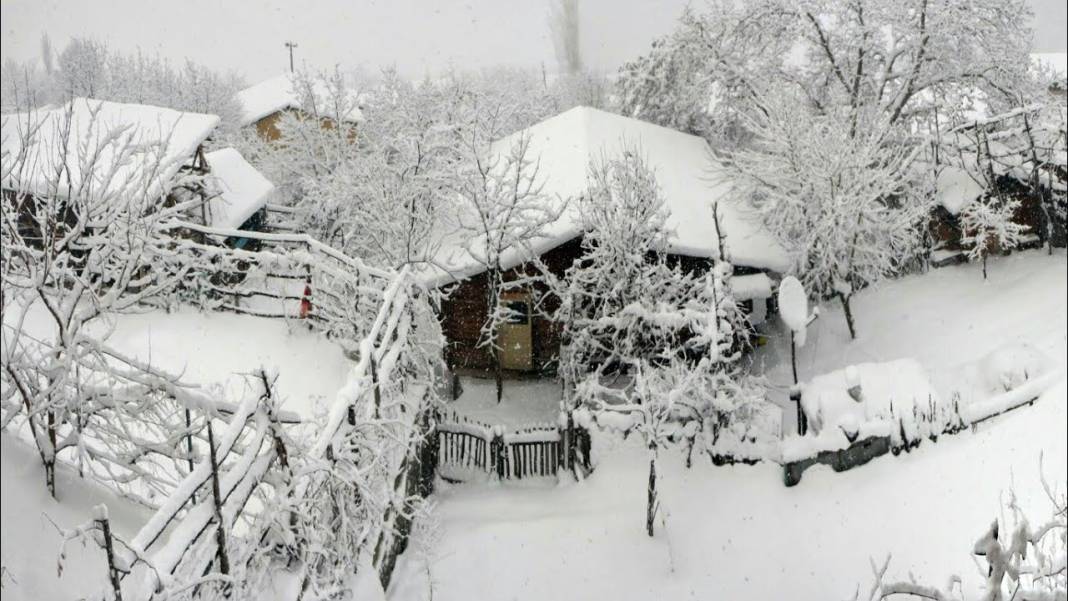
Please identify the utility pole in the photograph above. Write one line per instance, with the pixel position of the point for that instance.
(290, 46)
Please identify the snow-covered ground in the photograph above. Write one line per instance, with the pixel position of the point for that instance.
(737, 532)
(219, 349)
(523, 403)
(946, 319)
(30, 543)
(731, 532)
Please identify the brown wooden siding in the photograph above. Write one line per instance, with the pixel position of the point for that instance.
(267, 127)
(465, 310)
(945, 227)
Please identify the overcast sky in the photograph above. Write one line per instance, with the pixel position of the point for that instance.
(418, 36)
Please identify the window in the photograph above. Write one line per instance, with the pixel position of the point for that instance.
(519, 312)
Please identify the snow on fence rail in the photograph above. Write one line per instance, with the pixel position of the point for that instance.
(469, 448)
(854, 443)
(346, 498)
(278, 275)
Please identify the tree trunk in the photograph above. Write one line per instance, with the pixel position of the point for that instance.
(220, 530)
(498, 376)
(650, 509)
(845, 298)
(793, 355)
(109, 549)
(984, 266)
(50, 462)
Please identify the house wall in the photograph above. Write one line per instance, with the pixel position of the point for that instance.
(465, 309)
(267, 127)
(945, 227)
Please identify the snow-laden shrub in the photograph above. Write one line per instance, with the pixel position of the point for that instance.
(897, 391)
(1010, 366)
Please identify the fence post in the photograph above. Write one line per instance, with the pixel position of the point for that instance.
(189, 438)
(374, 384)
(802, 419)
(563, 426)
(101, 517)
(220, 529)
(497, 451)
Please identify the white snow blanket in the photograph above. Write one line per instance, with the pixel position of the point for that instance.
(138, 147)
(751, 286)
(279, 94)
(242, 189)
(956, 188)
(563, 148)
(894, 386)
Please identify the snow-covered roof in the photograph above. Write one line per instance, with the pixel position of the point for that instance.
(564, 146)
(955, 189)
(137, 147)
(279, 93)
(961, 182)
(751, 286)
(242, 189)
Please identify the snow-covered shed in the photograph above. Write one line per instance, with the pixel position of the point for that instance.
(1002, 166)
(240, 192)
(107, 151)
(263, 104)
(563, 148)
(87, 141)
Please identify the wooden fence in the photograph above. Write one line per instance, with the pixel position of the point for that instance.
(928, 424)
(283, 276)
(467, 449)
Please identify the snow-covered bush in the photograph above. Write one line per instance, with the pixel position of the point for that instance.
(896, 392)
(1010, 366)
(1015, 559)
(988, 226)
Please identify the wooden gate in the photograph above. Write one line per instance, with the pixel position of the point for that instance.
(469, 449)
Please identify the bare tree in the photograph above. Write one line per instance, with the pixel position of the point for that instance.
(82, 199)
(502, 212)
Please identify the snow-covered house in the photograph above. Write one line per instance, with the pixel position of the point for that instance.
(563, 147)
(1001, 167)
(105, 151)
(264, 104)
(239, 193)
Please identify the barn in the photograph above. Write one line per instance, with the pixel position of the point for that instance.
(563, 147)
(264, 104)
(239, 194)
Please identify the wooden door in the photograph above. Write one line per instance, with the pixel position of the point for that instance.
(515, 337)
